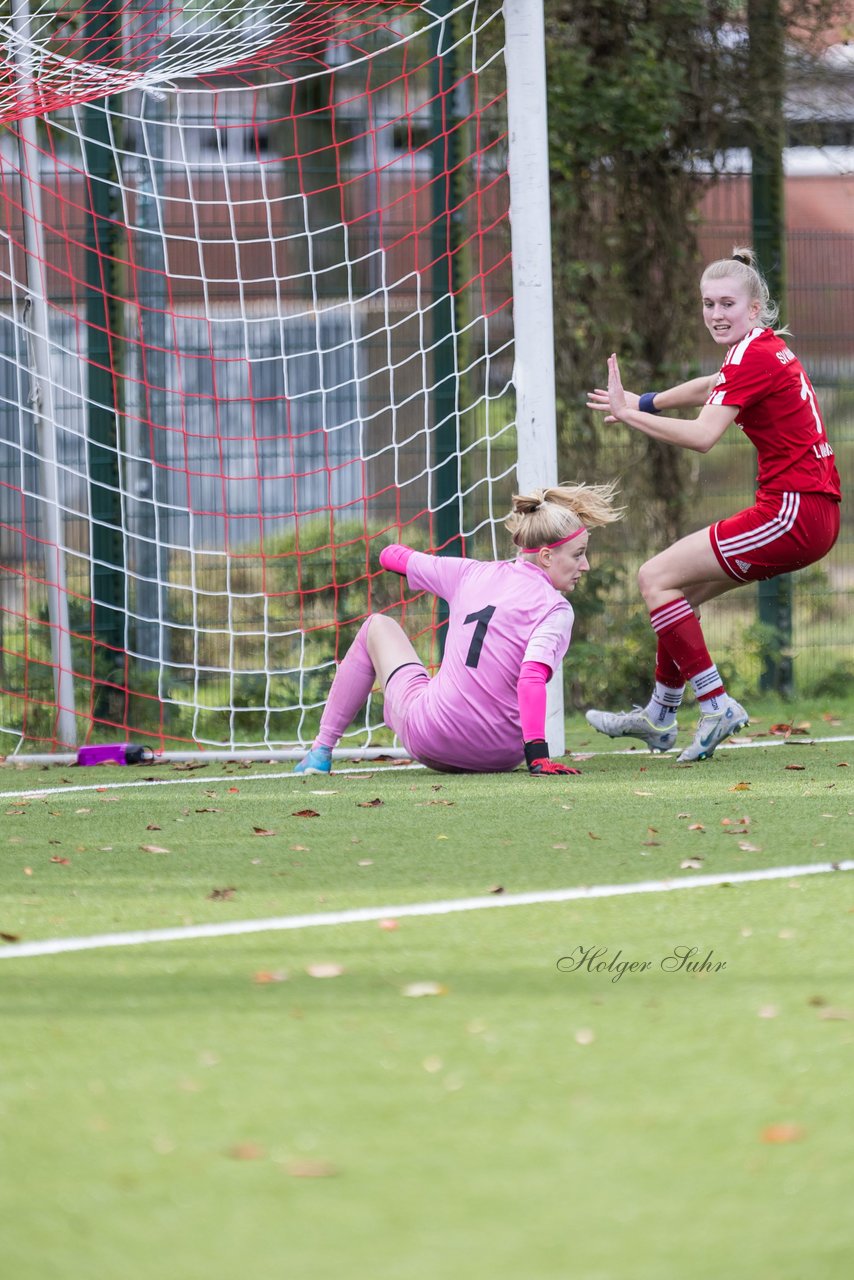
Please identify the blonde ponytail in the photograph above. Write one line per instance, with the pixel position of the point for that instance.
(548, 515)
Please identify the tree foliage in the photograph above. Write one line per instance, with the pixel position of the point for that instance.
(643, 97)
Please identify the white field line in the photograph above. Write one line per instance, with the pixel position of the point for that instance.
(581, 756)
(106, 785)
(360, 915)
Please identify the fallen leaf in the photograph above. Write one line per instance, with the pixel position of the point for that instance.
(328, 970)
(696, 826)
(741, 786)
(418, 989)
(369, 804)
(305, 813)
(797, 767)
(323, 793)
(209, 811)
(691, 864)
(311, 1169)
(246, 1151)
(10, 937)
(152, 848)
(593, 837)
(496, 888)
(264, 976)
(746, 847)
(222, 895)
(389, 925)
(777, 1133)
(152, 826)
(65, 862)
(262, 831)
(644, 793)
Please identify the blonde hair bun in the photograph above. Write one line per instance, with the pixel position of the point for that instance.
(548, 515)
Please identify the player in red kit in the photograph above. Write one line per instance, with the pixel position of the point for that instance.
(763, 388)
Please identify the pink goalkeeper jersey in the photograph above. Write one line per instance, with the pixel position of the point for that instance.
(501, 614)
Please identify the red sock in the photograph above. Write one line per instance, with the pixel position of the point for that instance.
(666, 670)
(680, 634)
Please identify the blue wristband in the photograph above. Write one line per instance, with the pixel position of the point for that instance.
(645, 403)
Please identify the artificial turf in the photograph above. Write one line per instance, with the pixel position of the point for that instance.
(413, 1098)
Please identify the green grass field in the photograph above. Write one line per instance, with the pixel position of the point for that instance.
(446, 1095)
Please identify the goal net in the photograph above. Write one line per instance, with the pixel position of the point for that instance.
(256, 322)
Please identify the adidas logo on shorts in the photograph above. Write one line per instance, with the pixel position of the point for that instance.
(744, 565)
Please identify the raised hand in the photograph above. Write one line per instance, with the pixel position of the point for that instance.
(617, 398)
(613, 399)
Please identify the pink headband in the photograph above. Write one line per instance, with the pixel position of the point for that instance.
(532, 551)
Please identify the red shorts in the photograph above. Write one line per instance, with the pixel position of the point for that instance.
(784, 532)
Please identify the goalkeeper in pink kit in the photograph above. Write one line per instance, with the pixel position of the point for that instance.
(509, 627)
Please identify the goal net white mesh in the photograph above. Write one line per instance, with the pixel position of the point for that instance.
(255, 323)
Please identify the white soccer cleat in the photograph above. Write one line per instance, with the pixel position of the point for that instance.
(714, 729)
(633, 724)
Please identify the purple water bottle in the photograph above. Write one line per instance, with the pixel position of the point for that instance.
(114, 753)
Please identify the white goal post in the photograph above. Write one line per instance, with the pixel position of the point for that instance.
(275, 290)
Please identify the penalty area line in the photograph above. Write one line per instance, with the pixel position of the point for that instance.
(361, 915)
(246, 776)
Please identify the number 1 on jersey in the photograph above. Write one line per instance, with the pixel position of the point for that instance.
(807, 394)
(482, 618)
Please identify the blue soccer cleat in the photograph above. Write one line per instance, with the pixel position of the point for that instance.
(318, 760)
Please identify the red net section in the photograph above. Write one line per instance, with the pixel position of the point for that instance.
(254, 325)
(61, 54)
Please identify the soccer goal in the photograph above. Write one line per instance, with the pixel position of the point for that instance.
(263, 309)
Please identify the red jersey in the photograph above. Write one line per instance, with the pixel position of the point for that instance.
(779, 414)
